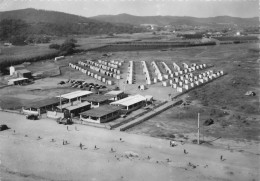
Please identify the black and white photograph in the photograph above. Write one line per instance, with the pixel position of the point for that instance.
(129, 90)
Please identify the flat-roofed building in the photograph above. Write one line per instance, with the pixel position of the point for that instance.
(76, 95)
(98, 100)
(24, 73)
(18, 81)
(74, 108)
(101, 114)
(117, 95)
(42, 106)
(131, 103)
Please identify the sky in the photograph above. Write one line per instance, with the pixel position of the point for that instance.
(88, 8)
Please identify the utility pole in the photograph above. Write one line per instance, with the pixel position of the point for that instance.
(198, 128)
(60, 103)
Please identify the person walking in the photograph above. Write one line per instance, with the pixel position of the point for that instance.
(80, 145)
(67, 128)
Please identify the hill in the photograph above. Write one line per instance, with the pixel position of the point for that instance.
(32, 16)
(177, 20)
(41, 22)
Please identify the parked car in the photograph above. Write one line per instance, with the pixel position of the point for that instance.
(3, 127)
(32, 117)
(65, 121)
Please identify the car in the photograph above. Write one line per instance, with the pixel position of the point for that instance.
(32, 117)
(65, 121)
(61, 83)
(3, 127)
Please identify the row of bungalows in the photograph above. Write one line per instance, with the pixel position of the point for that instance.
(130, 73)
(96, 76)
(146, 73)
(196, 80)
(167, 68)
(157, 71)
(117, 62)
(109, 64)
(102, 69)
(186, 69)
(100, 66)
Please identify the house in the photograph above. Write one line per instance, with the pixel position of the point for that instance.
(101, 114)
(18, 81)
(23, 73)
(42, 106)
(98, 100)
(130, 103)
(74, 108)
(13, 69)
(117, 95)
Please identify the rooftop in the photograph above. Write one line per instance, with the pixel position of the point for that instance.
(70, 108)
(75, 94)
(63, 106)
(97, 98)
(43, 103)
(24, 71)
(129, 100)
(114, 92)
(17, 79)
(101, 111)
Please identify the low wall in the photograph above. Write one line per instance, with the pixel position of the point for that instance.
(154, 113)
(76, 121)
(135, 117)
(11, 111)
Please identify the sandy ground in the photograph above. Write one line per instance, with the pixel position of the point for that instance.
(29, 158)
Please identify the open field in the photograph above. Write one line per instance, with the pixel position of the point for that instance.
(235, 115)
(25, 52)
(26, 157)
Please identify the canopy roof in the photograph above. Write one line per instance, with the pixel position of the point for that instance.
(43, 103)
(101, 111)
(129, 100)
(75, 94)
(83, 104)
(114, 93)
(17, 79)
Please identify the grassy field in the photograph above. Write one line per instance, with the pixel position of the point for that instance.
(24, 52)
